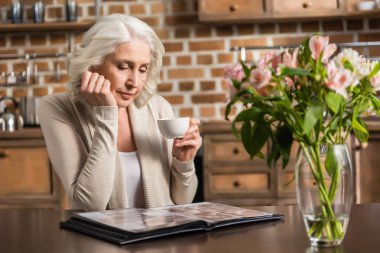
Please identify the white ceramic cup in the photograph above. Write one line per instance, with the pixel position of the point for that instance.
(173, 127)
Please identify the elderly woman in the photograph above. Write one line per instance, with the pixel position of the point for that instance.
(102, 137)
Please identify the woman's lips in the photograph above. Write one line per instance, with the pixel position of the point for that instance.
(125, 95)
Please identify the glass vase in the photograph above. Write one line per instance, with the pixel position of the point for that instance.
(324, 192)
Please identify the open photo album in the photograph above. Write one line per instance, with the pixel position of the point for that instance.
(125, 226)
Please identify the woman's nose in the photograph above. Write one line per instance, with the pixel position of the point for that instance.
(132, 79)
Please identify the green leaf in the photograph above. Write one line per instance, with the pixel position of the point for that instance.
(246, 69)
(334, 101)
(312, 116)
(374, 70)
(285, 139)
(295, 72)
(360, 129)
(331, 164)
(246, 136)
(347, 65)
(236, 84)
(375, 104)
(253, 114)
(259, 139)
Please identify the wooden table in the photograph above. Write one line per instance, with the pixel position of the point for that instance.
(37, 231)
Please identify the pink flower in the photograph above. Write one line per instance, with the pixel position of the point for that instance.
(338, 79)
(269, 57)
(375, 82)
(288, 81)
(234, 72)
(320, 47)
(260, 77)
(290, 60)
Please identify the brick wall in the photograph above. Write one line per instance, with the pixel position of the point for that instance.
(196, 53)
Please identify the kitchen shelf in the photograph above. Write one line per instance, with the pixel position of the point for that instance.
(48, 26)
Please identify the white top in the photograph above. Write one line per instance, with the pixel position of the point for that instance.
(133, 179)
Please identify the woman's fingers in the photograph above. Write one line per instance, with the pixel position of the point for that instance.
(97, 89)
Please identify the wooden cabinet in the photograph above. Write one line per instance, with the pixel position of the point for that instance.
(306, 8)
(267, 10)
(26, 176)
(367, 172)
(231, 10)
(231, 177)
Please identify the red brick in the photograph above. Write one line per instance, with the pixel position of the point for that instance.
(3, 41)
(186, 73)
(206, 45)
(186, 86)
(162, 33)
(341, 38)
(287, 27)
(332, 25)
(184, 60)
(217, 72)
(38, 39)
(310, 26)
(365, 37)
(152, 21)
(3, 92)
(60, 89)
(184, 19)
(207, 85)
(224, 30)
(225, 58)
(135, 9)
(157, 8)
(173, 46)
(203, 32)
(166, 60)
(175, 99)
(58, 38)
(3, 68)
(207, 111)
(248, 42)
(182, 33)
(287, 41)
(116, 9)
(17, 40)
(357, 24)
(208, 98)
(245, 29)
(55, 12)
(162, 87)
(179, 6)
(204, 59)
(266, 28)
(19, 92)
(40, 91)
(186, 112)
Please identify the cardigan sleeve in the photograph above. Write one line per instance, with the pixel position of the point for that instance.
(87, 173)
(184, 182)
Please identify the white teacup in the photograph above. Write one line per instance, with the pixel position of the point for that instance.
(173, 127)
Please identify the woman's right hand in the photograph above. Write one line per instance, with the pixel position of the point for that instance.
(97, 90)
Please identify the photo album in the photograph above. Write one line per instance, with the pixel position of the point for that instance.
(125, 226)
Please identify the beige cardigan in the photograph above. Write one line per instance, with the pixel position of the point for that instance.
(82, 146)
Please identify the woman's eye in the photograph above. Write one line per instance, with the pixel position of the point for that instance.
(144, 70)
(123, 67)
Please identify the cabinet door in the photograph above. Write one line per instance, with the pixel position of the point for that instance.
(305, 8)
(26, 177)
(25, 171)
(211, 10)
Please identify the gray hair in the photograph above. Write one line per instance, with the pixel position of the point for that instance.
(102, 39)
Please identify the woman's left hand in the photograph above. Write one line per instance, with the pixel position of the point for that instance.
(185, 149)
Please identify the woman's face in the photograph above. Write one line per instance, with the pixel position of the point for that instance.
(126, 69)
